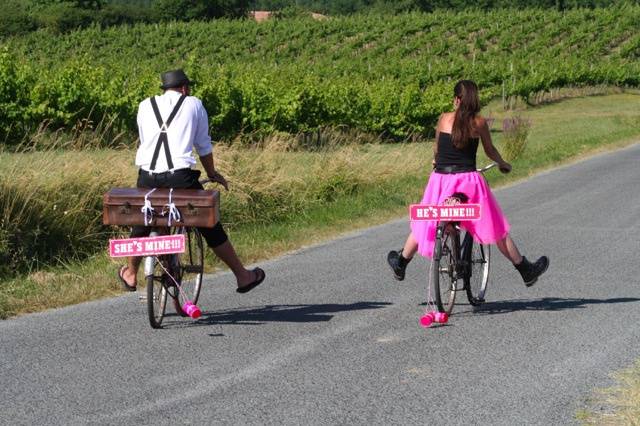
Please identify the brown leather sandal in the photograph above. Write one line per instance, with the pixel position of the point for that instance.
(260, 275)
(125, 285)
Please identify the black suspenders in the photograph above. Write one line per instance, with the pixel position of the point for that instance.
(162, 139)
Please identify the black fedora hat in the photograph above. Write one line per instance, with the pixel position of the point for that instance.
(175, 78)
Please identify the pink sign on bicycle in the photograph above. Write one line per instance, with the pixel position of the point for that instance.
(457, 213)
(149, 246)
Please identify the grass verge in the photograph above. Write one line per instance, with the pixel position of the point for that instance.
(280, 200)
(618, 404)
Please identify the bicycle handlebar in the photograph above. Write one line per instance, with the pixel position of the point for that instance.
(485, 168)
(490, 166)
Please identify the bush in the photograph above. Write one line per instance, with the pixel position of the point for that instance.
(515, 131)
(14, 98)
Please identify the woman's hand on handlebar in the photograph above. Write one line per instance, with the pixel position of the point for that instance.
(504, 167)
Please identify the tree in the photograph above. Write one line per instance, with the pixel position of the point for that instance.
(14, 19)
(187, 10)
(79, 4)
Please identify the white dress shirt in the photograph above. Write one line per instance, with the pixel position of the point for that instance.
(188, 130)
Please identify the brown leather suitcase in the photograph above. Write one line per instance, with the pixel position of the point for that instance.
(123, 206)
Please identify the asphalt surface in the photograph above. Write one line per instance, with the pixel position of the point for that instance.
(331, 338)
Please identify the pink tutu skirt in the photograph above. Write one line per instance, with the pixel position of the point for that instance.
(490, 228)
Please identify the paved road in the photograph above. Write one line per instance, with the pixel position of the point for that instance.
(330, 338)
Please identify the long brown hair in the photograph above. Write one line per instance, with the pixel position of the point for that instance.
(467, 92)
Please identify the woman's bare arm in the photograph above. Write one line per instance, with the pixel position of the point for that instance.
(435, 143)
(489, 148)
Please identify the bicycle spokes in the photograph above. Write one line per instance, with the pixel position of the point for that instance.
(477, 257)
(443, 276)
(174, 288)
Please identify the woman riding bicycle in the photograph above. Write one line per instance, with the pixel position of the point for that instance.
(457, 136)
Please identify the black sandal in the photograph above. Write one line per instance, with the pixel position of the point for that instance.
(125, 285)
(260, 275)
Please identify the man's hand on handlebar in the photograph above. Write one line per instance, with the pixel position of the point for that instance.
(218, 178)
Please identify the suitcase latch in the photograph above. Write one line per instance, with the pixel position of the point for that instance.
(125, 208)
(192, 210)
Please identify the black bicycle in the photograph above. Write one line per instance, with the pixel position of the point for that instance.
(459, 263)
(178, 275)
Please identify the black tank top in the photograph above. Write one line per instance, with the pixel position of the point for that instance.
(449, 155)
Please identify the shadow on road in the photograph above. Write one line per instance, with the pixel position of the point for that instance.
(545, 304)
(282, 313)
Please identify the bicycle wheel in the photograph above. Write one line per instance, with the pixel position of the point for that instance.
(477, 259)
(188, 267)
(443, 267)
(156, 290)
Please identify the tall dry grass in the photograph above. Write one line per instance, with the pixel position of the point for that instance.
(49, 204)
(51, 201)
(515, 131)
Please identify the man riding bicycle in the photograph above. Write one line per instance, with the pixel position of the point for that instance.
(170, 127)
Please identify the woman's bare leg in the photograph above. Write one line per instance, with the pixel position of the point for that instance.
(399, 260)
(528, 270)
(509, 249)
(410, 247)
